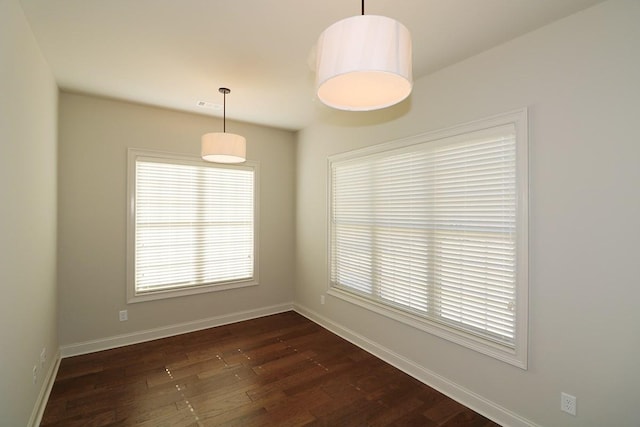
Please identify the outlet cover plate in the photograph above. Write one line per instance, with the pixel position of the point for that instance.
(568, 403)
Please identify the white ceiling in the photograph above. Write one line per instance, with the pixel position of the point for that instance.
(174, 53)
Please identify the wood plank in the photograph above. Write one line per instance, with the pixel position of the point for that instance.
(280, 370)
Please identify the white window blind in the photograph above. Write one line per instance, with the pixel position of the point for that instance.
(431, 229)
(193, 225)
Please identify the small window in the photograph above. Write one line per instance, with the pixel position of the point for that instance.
(432, 231)
(192, 226)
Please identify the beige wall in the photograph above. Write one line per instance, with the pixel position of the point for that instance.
(580, 79)
(95, 134)
(28, 104)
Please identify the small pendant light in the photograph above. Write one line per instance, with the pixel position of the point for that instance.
(364, 63)
(224, 147)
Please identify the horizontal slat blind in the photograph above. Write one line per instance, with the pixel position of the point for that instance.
(431, 229)
(193, 225)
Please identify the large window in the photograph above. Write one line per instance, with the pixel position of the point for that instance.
(192, 226)
(432, 231)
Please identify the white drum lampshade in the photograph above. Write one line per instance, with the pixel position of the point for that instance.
(222, 147)
(364, 63)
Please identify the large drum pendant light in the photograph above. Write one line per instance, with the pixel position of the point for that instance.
(222, 147)
(364, 63)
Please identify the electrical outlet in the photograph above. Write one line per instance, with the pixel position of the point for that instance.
(35, 374)
(43, 356)
(123, 315)
(568, 403)
(321, 299)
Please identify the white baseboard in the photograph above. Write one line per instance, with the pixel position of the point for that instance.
(167, 331)
(45, 391)
(455, 391)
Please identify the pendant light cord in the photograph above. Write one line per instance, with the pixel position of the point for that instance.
(224, 91)
(363, 7)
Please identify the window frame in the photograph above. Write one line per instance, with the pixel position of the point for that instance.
(518, 355)
(133, 155)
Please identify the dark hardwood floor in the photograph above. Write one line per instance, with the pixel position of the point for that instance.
(280, 370)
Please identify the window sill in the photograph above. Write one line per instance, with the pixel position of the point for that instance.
(174, 293)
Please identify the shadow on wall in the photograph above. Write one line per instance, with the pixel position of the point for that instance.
(357, 119)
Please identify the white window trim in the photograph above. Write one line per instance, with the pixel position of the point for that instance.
(518, 356)
(132, 297)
